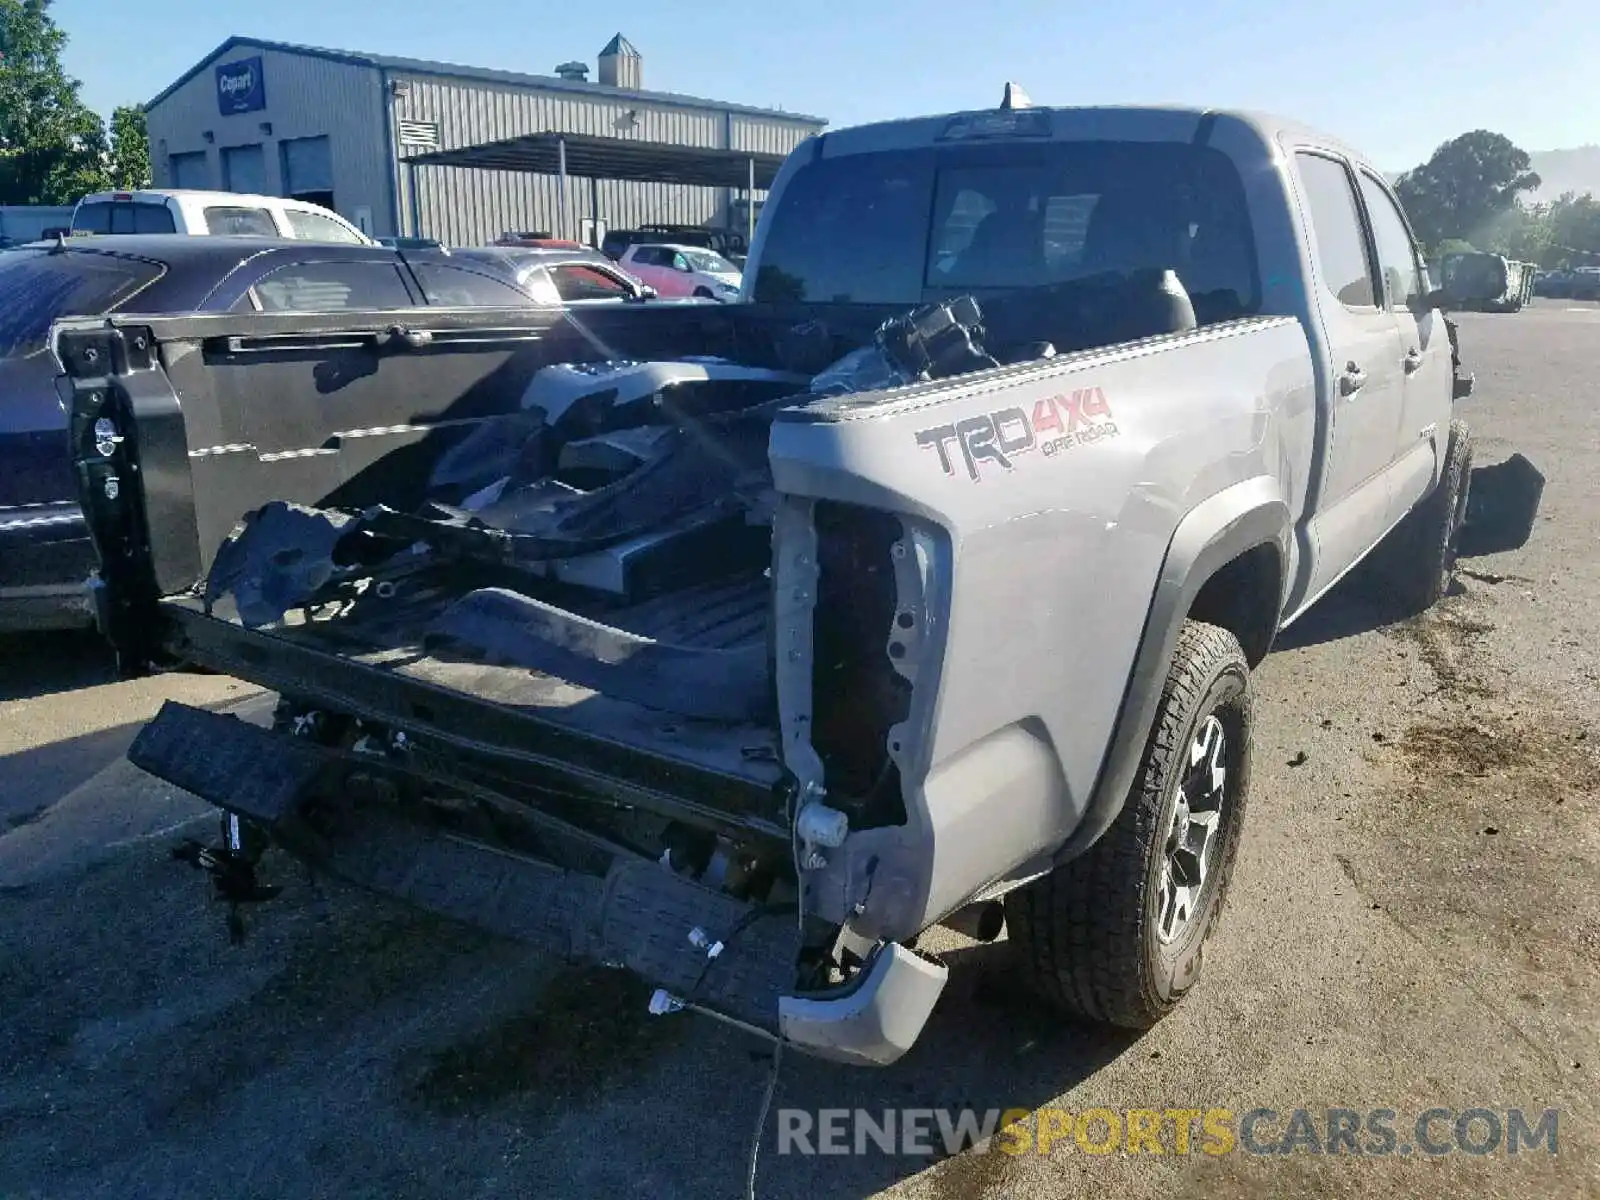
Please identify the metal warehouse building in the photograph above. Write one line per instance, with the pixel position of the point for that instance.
(368, 135)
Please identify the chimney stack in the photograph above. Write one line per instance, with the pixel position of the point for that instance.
(621, 66)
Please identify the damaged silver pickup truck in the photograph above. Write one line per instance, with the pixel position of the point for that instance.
(740, 645)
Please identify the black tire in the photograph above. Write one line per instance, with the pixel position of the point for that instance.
(1090, 932)
(704, 293)
(1416, 563)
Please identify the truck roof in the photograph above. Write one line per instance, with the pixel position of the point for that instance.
(152, 193)
(1134, 122)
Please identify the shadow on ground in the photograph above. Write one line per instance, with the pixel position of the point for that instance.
(32, 780)
(354, 1047)
(1504, 501)
(42, 664)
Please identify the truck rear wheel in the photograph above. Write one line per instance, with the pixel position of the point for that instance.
(1116, 934)
(1416, 563)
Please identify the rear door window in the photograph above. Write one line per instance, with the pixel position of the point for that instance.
(240, 222)
(333, 287)
(37, 288)
(1397, 253)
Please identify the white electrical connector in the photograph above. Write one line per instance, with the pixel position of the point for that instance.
(701, 940)
(663, 1002)
(819, 825)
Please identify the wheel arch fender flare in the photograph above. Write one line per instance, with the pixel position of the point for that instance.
(1240, 518)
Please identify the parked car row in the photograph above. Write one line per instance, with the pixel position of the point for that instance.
(674, 260)
(175, 251)
(277, 257)
(1580, 283)
(728, 243)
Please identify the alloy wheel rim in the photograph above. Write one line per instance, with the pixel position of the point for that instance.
(1190, 850)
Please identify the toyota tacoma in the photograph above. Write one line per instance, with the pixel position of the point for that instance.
(738, 646)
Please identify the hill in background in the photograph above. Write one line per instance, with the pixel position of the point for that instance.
(1575, 170)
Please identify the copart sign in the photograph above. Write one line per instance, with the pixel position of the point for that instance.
(241, 87)
(993, 441)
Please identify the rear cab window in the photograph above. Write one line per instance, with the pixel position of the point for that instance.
(240, 222)
(123, 216)
(912, 226)
(38, 288)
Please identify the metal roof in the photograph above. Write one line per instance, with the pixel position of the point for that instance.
(589, 156)
(621, 47)
(418, 66)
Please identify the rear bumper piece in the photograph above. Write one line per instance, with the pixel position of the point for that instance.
(637, 915)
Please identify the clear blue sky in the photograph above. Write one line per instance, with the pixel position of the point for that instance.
(1394, 78)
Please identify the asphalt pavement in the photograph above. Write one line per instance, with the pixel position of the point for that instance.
(1414, 926)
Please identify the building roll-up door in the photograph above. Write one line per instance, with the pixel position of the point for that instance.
(191, 170)
(244, 169)
(308, 169)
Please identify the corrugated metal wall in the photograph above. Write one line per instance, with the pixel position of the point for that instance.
(467, 207)
(305, 97)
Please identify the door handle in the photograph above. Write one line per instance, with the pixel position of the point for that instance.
(1352, 381)
(1413, 361)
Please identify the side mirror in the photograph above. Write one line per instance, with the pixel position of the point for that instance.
(1435, 299)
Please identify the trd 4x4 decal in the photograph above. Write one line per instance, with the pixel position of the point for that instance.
(1057, 424)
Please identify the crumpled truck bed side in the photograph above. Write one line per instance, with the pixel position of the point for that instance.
(1038, 507)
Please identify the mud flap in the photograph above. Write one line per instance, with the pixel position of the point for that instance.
(638, 915)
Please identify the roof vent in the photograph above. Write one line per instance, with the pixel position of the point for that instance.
(1014, 98)
(577, 72)
(621, 65)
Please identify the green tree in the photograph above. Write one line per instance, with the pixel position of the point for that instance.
(130, 148)
(1469, 184)
(1522, 232)
(52, 148)
(1574, 225)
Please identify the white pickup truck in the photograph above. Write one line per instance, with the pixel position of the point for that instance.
(185, 210)
(740, 644)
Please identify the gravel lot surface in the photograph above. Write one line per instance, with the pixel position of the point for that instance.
(1415, 923)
